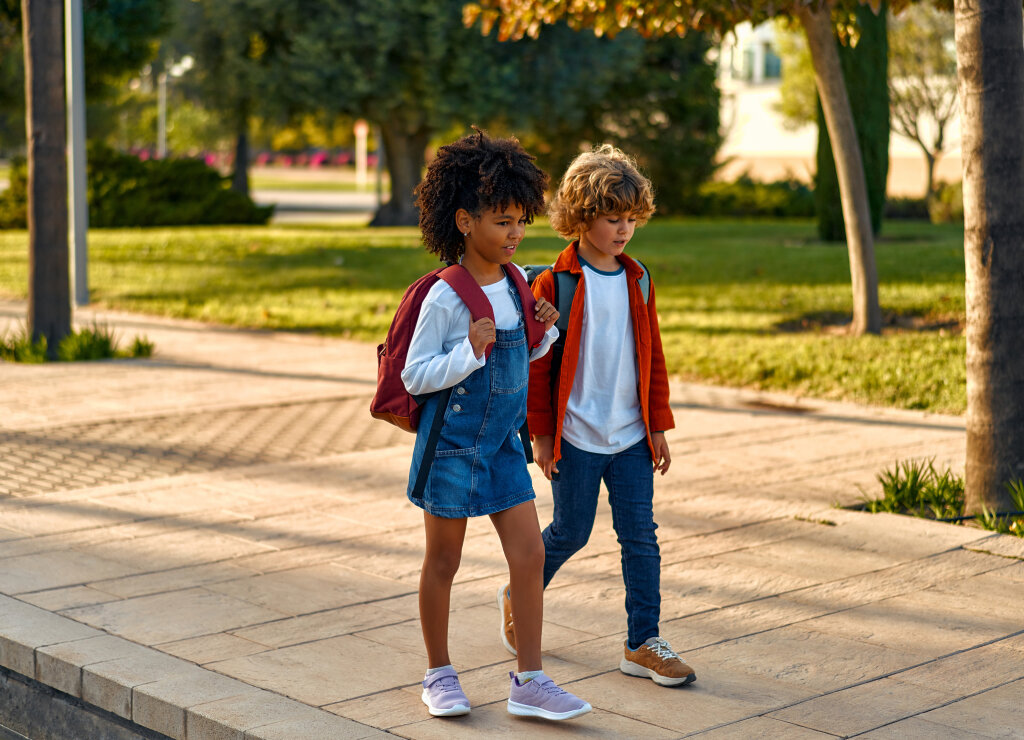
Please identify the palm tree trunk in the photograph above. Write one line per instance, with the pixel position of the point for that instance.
(49, 288)
(867, 315)
(990, 68)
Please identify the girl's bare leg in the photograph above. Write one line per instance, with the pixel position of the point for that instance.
(519, 532)
(440, 564)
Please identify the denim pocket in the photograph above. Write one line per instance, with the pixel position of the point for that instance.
(512, 373)
(451, 479)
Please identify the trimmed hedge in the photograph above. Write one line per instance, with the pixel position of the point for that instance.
(124, 190)
(746, 197)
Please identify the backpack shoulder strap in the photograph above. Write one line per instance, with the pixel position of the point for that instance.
(534, 271)
(565, 291)
(534, 329)
(645, 281)
(470, 292)
(467, 288)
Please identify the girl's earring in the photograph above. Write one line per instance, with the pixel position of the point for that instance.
(465, 233)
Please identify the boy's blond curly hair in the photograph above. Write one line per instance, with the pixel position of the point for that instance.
(604, 180)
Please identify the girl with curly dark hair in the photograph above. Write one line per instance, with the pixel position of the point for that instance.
(475, 202)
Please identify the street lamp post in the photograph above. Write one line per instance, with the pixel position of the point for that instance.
(78, 208)
(176, 70)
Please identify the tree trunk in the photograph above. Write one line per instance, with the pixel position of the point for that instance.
(866, 76)
(49, 287)
(405, 153)
(929, 161)
(240, 177)
(990, 68)
(867, 316)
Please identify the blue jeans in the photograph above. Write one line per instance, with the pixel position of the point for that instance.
(629, 477)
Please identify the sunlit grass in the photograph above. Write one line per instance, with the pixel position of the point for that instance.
(757, 304)
(266, 182)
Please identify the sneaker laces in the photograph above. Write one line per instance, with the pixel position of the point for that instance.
(550, 687)
(446, 684)
(662, 649)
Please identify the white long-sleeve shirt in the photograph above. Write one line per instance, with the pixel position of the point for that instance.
(603, 411)
(440, 353)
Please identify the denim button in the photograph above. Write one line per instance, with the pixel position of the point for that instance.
(461, 391)
(456, 407)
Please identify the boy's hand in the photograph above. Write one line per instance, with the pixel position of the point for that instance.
(547, 314)
(661, 457)
(481, 335)
(544, 453)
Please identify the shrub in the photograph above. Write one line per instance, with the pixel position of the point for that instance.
(916, 488)
(126, 191)
(14, 200)
(947, 204)
(91, 343)
(909, 209)
(746, 197)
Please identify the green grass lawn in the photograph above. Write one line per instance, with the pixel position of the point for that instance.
(757, 304)
(269, 182)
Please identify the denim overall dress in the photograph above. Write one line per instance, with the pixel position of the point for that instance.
(479, 465)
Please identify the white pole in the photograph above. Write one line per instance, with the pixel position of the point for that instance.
(161, 115)
(380, 165)
(361, 128)
(78, 207)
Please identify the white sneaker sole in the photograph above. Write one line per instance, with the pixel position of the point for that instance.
(632, 669)
(456, 711)
(526, 710)
(501, 627)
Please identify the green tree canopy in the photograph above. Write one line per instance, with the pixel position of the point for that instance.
(416, 71)
(242, 51)
(517, 18)
(119, 39)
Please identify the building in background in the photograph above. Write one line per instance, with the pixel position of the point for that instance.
(749, 75)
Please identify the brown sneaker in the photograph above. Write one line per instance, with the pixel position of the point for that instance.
(656, 660)
(508, 632)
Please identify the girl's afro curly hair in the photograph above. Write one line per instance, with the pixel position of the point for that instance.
(476, 173)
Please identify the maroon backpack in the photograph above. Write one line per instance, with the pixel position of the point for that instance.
(392, 402)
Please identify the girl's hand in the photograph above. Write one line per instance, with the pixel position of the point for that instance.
(547, 314)
(481, 335)
(661, 457)
(544, 453)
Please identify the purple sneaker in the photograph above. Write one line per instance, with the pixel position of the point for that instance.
(541, 697)
(443, 695)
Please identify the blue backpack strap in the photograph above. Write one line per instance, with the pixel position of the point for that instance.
(431, 445)
(565, 291)
(645, 281)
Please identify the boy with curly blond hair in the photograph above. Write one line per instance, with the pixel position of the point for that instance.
(599, 409)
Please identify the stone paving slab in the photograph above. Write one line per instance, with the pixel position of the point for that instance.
(271, 593)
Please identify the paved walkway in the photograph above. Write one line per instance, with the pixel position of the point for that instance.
(215, 544)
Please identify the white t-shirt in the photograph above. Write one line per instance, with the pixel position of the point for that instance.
(440, 353)
(603, 412)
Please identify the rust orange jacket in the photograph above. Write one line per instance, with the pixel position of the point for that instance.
(547, 399)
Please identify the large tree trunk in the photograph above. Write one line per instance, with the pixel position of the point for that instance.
(867, 316)
(990, 68)
(405, 152)
(49, 287)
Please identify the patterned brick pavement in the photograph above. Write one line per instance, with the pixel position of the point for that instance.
(85, 455)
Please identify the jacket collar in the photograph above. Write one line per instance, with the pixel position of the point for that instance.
(569, 261)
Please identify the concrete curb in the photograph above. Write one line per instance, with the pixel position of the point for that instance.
(154, 690)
